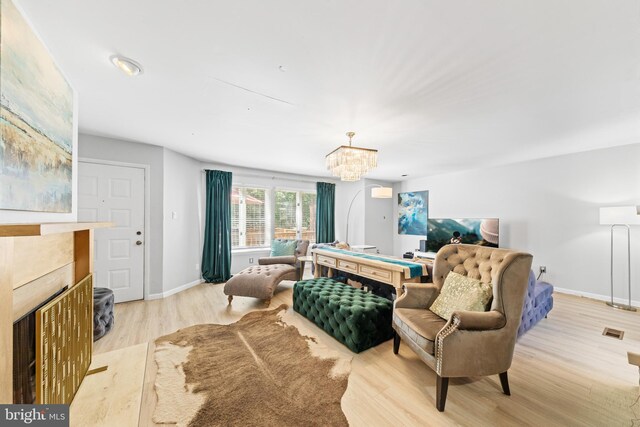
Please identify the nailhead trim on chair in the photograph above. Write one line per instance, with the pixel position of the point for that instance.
(445, 332)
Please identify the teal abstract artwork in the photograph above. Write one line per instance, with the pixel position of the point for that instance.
(413, 212)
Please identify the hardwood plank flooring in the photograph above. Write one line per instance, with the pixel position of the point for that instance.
(111, 397)
(564, 373)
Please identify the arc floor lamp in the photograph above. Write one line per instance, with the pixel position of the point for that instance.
(377, 192)
(621, 216)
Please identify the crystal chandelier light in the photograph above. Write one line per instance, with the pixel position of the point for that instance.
(350, 163)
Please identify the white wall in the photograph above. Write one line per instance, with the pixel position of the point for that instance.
(345, 193)
(379, 219)
(370, 219)
(100, 148)
(174, 245)
(182, 231)
(550, 208)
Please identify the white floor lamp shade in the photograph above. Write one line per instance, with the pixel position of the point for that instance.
(621, 216)
(382, 192)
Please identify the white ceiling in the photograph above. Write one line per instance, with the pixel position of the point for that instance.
(436, 86)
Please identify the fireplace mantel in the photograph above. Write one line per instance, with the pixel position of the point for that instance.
(45, 228)
(34, 257)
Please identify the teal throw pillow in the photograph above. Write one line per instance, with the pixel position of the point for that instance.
(283, 247)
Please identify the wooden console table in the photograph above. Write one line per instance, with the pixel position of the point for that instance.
(381, 271)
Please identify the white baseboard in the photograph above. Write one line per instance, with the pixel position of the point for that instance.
(596, 296)
(174, 290)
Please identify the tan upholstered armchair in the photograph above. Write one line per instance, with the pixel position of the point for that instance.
(469, 344)
(301, 250)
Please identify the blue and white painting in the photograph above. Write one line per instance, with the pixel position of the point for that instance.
(36, 121)
(413, 212)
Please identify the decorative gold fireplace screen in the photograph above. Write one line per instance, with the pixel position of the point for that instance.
(64, 341)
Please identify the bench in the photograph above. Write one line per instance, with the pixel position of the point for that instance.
(357, 319)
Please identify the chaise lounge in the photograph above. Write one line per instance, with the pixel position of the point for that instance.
(262, 280)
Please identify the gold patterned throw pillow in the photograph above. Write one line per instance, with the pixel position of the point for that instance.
(461, 293)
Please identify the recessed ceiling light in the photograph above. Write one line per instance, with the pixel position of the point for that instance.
(126, 65)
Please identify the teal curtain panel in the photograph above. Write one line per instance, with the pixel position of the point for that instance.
(216, 254)
(325, 212)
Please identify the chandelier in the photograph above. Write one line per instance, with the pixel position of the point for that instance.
(350, 163)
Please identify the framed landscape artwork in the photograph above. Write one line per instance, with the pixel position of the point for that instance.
(36, 121)
(413, 212)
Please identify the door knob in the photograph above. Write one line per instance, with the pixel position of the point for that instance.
(138, 243)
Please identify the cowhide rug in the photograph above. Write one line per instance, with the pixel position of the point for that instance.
(257, 371)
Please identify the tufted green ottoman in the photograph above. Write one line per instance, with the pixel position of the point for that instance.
(356, 318)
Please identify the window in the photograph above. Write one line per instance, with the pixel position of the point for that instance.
(308, 230)
(249, 217)
(253, 222)
(285, 221)
(295, 215)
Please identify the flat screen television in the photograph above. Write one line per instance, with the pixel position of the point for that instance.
(474, 231)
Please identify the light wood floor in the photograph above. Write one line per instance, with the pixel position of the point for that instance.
(564, 371)
(111, 397)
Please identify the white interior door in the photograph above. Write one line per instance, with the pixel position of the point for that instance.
(115, 194)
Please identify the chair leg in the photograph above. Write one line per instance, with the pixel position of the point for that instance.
(442, 384)
(230, 298)
(396, 342)
(504, 380)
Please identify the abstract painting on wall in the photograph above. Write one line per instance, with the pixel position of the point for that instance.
(413, 212)
(36, 120)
